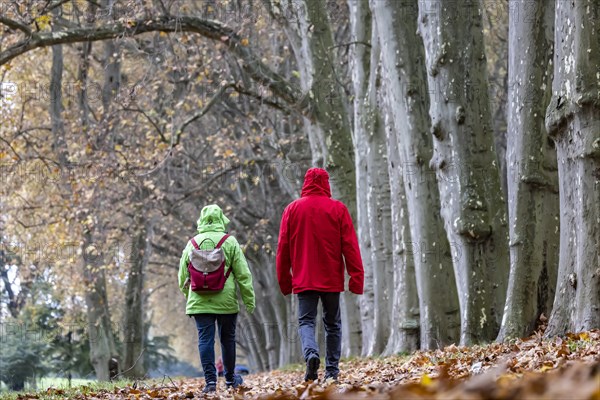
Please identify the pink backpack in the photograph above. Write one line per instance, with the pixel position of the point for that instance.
(207, 268)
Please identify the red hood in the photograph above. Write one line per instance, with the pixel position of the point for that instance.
(316, 183)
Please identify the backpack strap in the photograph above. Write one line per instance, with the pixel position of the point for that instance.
(223, 239)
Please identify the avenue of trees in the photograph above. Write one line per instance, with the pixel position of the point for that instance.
(464, 137)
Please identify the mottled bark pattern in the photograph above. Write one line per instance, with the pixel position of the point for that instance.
(375, 229)
(360, 22)
(573, 120)
(532, 171)
(404, 330)
(404, 72)
(472, 205)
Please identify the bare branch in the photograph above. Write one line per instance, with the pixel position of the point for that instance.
(204, 110)
(15, 25)
(214, 30)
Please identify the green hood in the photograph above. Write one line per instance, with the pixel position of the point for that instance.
(212, 219)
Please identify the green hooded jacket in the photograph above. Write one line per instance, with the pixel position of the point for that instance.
(212, 224)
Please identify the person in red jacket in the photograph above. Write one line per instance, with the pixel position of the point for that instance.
(317, 244)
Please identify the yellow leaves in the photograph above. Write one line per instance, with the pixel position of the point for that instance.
(118, 147)
(244, 42)
(426, 380)
(163, 34)
(162, 146)
(547, 367)
(43, 21)
(584, 336)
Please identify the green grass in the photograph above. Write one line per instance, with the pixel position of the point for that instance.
(293, 368)
(62, 391)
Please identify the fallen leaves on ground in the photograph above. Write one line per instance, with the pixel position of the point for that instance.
(534, 368)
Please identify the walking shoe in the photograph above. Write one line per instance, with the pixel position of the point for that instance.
(312, 368)
(333, 377)
(237, 381)
(210, 388)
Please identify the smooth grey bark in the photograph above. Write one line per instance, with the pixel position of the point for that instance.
(360, 24)
(495, 28)
(378, 205)
(373, 188)
(573, 121)
(532, 171)
(473, 208)
(379, 214)
(404, 329)
(406, 92)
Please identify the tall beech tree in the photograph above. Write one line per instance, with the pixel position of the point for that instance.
(532, 170)
(464, 159)
(573, 121)
(404, 71)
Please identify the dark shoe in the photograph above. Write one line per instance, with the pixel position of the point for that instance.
(209, 388)
(312, 369)
(333, 377)
(237, 382)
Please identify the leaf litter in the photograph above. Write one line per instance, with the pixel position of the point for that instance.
(565, 367)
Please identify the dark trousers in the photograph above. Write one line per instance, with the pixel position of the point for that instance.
(307, 314)
(206, 344)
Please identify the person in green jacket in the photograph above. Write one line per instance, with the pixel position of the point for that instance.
(220, 307)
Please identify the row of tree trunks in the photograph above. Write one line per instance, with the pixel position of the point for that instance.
(532, 171)
(373, 189)
(404, 329)
(404, 74)
(472, 206)
(332, 128)
(360, 22)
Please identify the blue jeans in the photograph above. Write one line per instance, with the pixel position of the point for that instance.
(206, 344)
(307, 314)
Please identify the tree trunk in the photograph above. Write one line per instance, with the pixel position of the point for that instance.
(465, 162)
(404, 74)
(380, 231)
(335, 133)
(378, 206)
(404, 330)
(572, 119)
(330, 134)
(360, 22)
(532, 177)
(133, 323)
(102, 345)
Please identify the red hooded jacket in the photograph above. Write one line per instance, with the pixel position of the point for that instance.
(315, 238)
